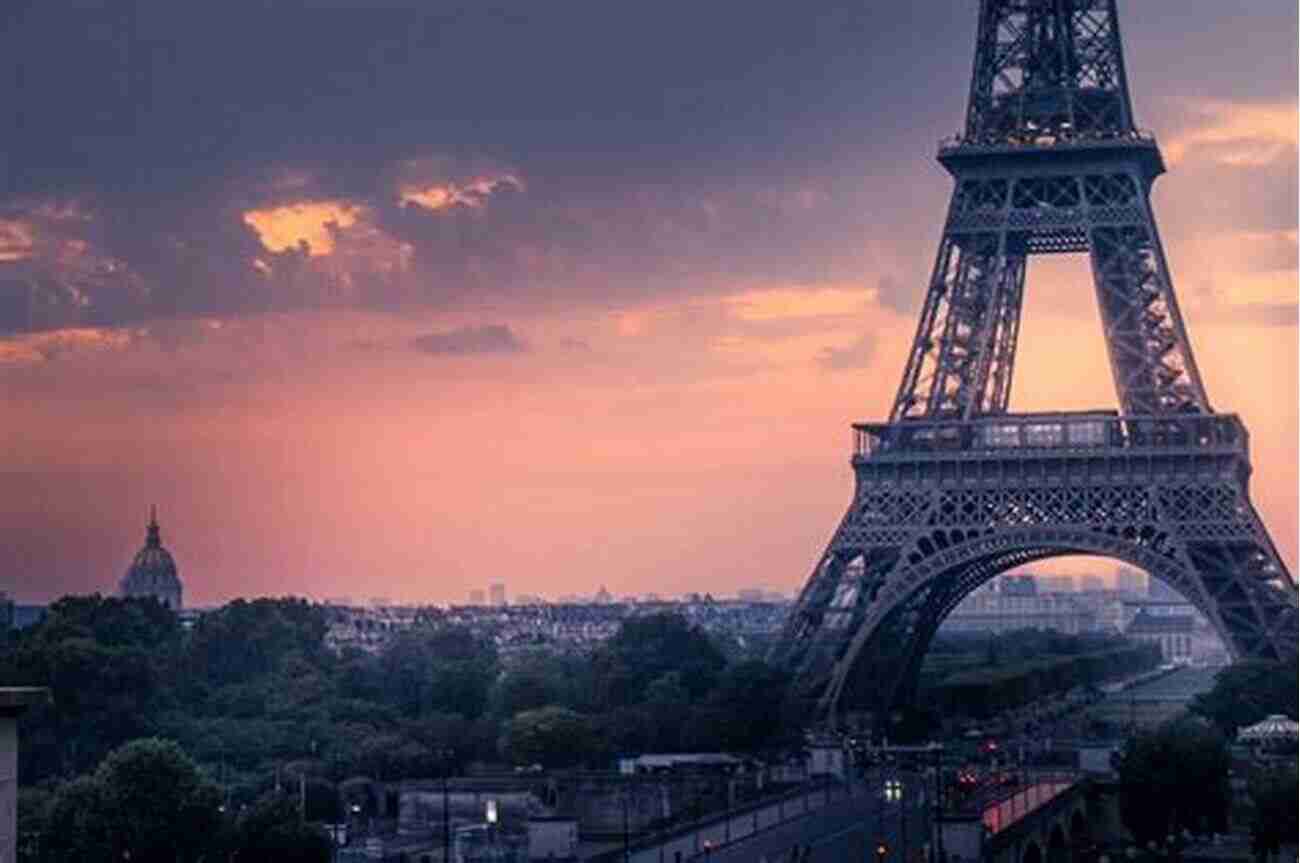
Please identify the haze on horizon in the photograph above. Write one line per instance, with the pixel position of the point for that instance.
(405, 298)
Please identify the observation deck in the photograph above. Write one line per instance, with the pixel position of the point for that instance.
(1085, 434)
(965, 157)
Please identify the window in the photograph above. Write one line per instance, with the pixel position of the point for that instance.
(1001, 436)
(1088, 433)
(1043, 434)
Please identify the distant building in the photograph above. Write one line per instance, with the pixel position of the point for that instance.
(1017, 585)
(153, 572)
(1157, 589)
(1174, 634)
(477, 597)
(1130, 580)
(1002, 611)
(497, 594)
(1055, 583)
(28, 615)
(6, 612)
(529, 599)
(603, 596)
(1091, 583)
(380, 602)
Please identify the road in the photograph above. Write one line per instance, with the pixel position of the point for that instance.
(848, 830)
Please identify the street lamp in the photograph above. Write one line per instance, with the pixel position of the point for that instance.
(446, 755)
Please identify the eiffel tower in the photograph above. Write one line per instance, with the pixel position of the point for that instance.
(954, 489)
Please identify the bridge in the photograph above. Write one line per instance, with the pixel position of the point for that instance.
(824, 822)
(1044, 818)
(887, 816)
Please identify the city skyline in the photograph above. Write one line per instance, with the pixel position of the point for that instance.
(622, 350)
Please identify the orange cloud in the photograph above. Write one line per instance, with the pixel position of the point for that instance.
(34, 348)
(310, 222)
(780, 303)
(16, 240)
(438, 196)
(1238, 135)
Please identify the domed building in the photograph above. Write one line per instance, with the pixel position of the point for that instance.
(153, 572)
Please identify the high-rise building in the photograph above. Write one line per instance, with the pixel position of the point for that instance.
(1157, 589)
(1091, 583)
(153, 571)
(1130, 580)
(1055, 583)
(1018, 585)
(477, 597)
(497, 594)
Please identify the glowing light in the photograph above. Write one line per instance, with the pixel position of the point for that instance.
(438, 196)
(310, 222)
(16, 240)
(1241, 135)
(768, 305)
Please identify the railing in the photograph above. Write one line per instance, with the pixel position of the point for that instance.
(1007, 812)
(713, 833)
(1085, 432)
(1045, 138)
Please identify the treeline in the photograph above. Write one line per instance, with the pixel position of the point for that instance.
(998, 685)
(252, 691)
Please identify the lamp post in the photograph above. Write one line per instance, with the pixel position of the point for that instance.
(446, 755)
(941, 857)
(627, 843)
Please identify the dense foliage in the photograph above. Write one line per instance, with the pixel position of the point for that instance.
(251, 692)
(979, 676)
(1175, 779)
(1246, 692)
(148, 801)
(1274, 803)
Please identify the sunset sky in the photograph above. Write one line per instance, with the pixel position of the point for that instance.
(402, 301)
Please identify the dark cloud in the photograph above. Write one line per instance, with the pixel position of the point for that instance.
(485, 339)
(661, 147)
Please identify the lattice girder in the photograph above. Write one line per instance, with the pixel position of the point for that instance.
(1047, 68)
(962, 358)
(929, 524)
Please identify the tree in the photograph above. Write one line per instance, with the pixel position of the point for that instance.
(272, 831)
(550, 736)
(536, 680)
(450, 670)
(147, 802)
(752, 698)
(1246, 692)
(243, 640)
(1274, 802)
(34, 806)
(646, 648)
(1173, 779)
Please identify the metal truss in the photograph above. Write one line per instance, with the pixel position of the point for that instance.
(1091, 199)
(941, 508)
(1048, 69)
(954, 490)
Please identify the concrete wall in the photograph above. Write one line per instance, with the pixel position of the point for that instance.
(689, 841)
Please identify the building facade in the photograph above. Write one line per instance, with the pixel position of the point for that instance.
(153, 571)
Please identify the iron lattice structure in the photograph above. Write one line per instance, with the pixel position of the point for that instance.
(954, 490)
